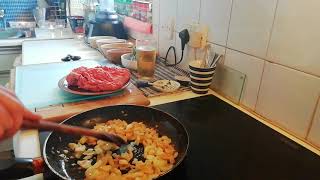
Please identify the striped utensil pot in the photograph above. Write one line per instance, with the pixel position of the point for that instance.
(201, 77)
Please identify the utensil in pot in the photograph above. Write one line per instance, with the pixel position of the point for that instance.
(215, 60)
(67, 129)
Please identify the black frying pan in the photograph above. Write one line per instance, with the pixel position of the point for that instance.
(163, 122)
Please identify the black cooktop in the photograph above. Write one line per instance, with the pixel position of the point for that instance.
(225, 143)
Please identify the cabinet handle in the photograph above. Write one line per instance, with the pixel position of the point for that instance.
(6, 72)
(10, 53)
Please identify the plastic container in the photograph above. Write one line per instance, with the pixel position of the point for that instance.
(128, 62)
(114, 55)
(102, 42)
(93, 40)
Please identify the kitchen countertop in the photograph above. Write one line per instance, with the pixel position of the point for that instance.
(50, 51)
(41, 34)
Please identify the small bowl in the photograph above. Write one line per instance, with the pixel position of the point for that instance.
(93, 40)
(127, 62)
(114, 55)
(101, 42)
(104, 48)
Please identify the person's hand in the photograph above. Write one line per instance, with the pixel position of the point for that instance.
(12, 112)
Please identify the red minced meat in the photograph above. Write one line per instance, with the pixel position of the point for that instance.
(98, 79)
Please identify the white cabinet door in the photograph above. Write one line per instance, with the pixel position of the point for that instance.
(4, 78)
(6, 61)
(7, 57)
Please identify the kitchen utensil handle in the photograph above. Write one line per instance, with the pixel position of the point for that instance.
(22, 167)
(50, 126)
(141, 84)
(215, 61)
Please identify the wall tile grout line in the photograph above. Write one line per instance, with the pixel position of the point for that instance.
(227, 39)
(272, 26)
(159, 23)
(267, 57)
(269, 61)
(158, 33)
(268, 46)
(260, 83)
(312, 118)
(174, 29)
(176, 19)
(199, 15)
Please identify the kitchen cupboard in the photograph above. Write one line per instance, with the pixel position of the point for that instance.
(7, 56)
(4, 78)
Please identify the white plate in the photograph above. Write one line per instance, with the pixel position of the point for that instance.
(166, 85)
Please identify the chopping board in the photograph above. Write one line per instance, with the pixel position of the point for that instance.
(37, 88)
(58, 113)
(37, 85)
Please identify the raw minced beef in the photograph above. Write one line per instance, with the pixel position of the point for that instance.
(100, 78)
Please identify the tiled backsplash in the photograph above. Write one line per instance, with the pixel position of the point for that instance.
(274, 42)
(17, 10)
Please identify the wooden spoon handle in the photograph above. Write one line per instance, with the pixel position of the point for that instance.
(74, 130)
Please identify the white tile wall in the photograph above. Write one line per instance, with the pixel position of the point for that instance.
(216, 14)
(156, 13)
(314, 135)
(250, 26)
(282, 31)
(189, 54)
(187, 13)
(288, 97)
(155, 34)
(295, 37)
(253, 68)
(156, 20)
(165, 43)
(168, 13)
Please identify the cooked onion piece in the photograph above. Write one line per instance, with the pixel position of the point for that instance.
(158, 156)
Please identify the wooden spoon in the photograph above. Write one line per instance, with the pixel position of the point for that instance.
(67, 129)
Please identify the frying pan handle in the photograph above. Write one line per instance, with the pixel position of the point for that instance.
(22, 167)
